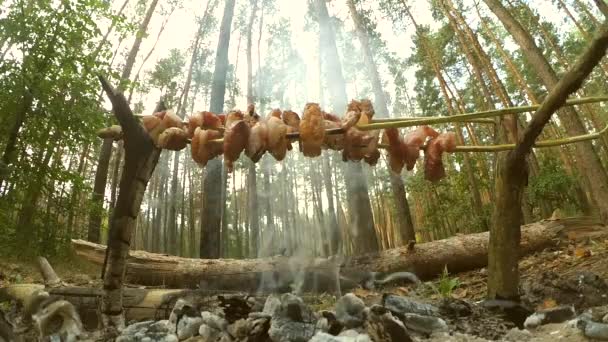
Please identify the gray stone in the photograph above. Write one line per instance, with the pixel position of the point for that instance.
(557, 314)
(271, 305)
(292, 320)
(350, 311)
(401, 305)
(148, 331)
(324, 337)
(188, 327)
(593, 330)
(424, 324)
(214, 321)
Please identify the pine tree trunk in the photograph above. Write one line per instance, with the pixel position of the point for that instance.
(212, 206)
(334, 230)
(527, 91)
(406, 226)
(254, 7)
(359, 205)
(601, 4)
(254, 215)
(589, 164)
(139, 36)
(99, 189)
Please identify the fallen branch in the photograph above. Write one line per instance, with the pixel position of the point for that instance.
(48, 273)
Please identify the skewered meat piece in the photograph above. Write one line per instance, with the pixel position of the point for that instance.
(169, 119)
(205, 120)
(291, 119)
(350, 119)
(113, 132)
(363, 106)
(331, 117)
(251, 117)
(356, 144)
(277, 139)
(277, 113)
(312, 130)
(413, 141)
(333, 141)
(236, 137)
(251, 109)
(203, 149)
(396, 150)
(152, 125)
(173, 138)
(433, 163)
(158, 122)
(232, 117)
(258, 142)
(359, 145)
(194, 121)
(372, 158)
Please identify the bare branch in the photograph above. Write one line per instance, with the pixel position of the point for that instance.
(129, 123)
(568, 84)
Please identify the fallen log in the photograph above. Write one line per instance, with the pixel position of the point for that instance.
(427, 260)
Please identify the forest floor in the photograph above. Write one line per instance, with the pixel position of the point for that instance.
(548, 278)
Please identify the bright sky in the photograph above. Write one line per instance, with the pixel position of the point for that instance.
(180, 30)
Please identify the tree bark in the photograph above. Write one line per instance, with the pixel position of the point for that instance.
(360, 211)
(101, 174)
(427, 260)
(99, 190)
(139, 36)
(254, 7)
(589, 164)
(503, 272)
(141, 157)
(406, 226)
(601, 4)
(212, 206)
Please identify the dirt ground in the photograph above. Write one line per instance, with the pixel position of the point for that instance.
(547, 280)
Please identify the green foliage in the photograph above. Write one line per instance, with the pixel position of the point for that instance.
(446, 284)
(54, 53)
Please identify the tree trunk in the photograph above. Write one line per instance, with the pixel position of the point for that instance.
(106, 149)
(141, 157)
(360, 210)
(254, 216)
(589, 164)
(212, 206)
(99, 190)
(11, 144)
(406, 226)
(601, 4)
(254, 7)
(427, 260)
(503, 272)
(435, 65)
(139, 36)
(563, 154)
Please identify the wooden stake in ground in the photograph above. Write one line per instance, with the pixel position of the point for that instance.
(141, 157)
(512, 175)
